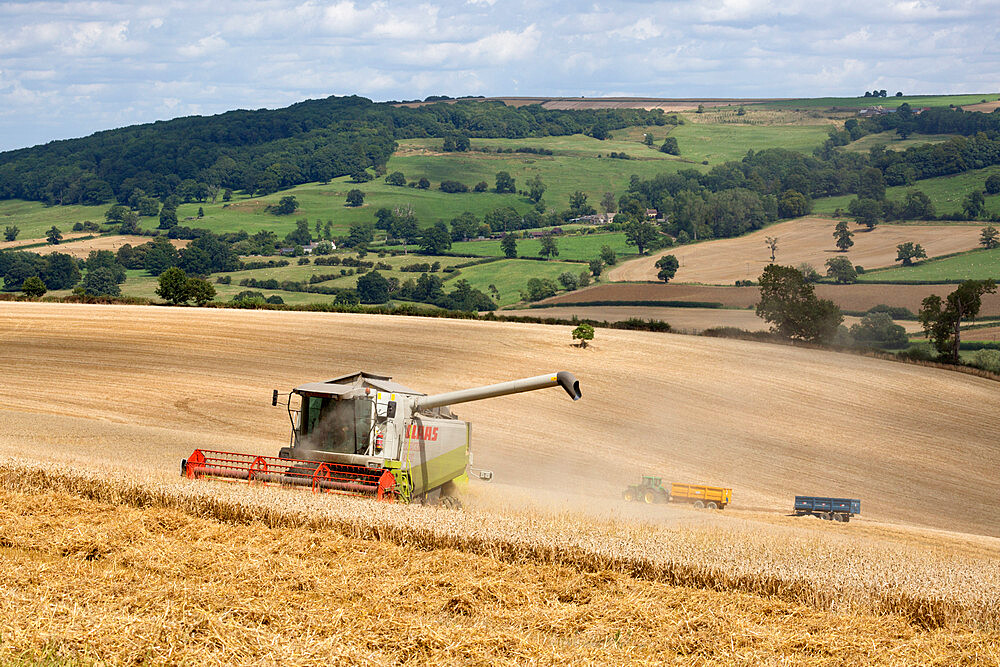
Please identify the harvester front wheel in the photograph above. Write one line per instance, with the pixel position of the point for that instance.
(629, 494)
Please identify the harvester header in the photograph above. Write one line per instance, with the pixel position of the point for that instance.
(363, 434)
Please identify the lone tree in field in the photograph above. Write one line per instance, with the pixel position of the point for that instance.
(583, 333)
(355, 197)
(843, 236)
(990, 237)
(608, 203)
(974, 204)
(772, 244)
(841, 269)
(788, 302)
(639, 233)
(10, 233)
(33, 287)
(535, 189)
(670, 146)
(549, 247)
(608, 255)
(54, 236)
(942, 319)
(992, 184)
(173, 286)
(505, 184)
(509, 246)
(668, 267)
(909, 251)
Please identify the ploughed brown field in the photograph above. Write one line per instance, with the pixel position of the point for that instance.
(681, 319)
(100, 403)
(857, 297)
(809, 240)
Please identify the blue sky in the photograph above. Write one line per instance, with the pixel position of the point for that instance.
(71, 68)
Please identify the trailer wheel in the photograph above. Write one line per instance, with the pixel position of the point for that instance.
(629, 494)
(712, 506)
(847, 518)
(827, 516)
(698, 504)
(839, 518)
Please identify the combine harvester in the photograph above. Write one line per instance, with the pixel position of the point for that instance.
(363, 434)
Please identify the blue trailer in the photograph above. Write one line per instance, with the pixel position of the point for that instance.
(830, 509)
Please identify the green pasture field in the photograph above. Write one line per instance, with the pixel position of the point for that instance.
(974, 265)
(888, 102)
(718, 143)
(578, 247)
(510, 276)
(34, 219)
(946, 192)
(892, 141)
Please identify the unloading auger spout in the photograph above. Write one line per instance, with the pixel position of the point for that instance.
(563, 379)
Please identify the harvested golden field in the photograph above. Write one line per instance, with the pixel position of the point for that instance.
(681, 319)
(69, 236)
(809, 240)
(153, 383)
(857, 297)
(548, 565)
(82, 249)
(95, 579)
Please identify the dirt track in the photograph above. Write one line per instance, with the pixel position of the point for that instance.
(143, 386)
(810, 240)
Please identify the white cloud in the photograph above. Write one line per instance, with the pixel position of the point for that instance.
(204, 46)
(135, 62)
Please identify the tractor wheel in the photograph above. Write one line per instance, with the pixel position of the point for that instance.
(650, 497)
(712, 506)
(698, 504)
(629, 494)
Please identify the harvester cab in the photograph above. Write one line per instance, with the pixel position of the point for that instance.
(364, 434)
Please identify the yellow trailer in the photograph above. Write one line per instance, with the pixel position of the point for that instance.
(712, 497)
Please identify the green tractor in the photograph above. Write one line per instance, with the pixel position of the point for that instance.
(649, 491)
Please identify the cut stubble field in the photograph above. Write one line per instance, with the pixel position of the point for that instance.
(804, 240)
(102, 402)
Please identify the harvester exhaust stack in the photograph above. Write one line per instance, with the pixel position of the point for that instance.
(363, 434)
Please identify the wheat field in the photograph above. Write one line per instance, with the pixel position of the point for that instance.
(101, 402)
(805, 240)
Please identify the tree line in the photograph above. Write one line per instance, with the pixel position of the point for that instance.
(264, 151)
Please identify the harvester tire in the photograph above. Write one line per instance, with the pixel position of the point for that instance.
(712, 506)
(650, 497)
(629, 495)
(451, 502)
(698, 504)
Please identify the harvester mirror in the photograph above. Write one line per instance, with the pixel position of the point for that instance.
(486, 475)
(274, 397)
(390, 410)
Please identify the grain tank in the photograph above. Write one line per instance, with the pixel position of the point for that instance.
(364, 434)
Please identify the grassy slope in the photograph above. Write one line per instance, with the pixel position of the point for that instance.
(893, 142)
(975, 265)
(510, 276)
(947, 192)
(580, 248)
